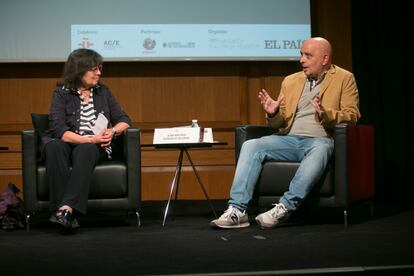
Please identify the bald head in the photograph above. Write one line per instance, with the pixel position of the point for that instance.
(316, 56)
(320, 45)
(324, 45)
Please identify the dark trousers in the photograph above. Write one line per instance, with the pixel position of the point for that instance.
(69, 169)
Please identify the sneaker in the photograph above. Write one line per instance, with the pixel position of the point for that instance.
(273, 217)
(231, 218)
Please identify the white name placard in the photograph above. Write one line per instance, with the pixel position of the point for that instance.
(176, 135)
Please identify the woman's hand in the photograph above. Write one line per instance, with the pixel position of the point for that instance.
(104, 138)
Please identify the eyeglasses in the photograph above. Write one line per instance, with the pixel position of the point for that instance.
(99, 67)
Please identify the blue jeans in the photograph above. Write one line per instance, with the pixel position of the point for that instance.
(313, 153)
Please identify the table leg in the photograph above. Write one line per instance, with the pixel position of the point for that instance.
(199, 182)
(179, 175)
(175, 181)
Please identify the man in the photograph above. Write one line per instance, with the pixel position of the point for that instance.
(309, 104)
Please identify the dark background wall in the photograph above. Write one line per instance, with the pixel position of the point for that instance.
(382, 64)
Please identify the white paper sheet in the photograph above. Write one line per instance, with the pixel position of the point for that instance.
(101, 124)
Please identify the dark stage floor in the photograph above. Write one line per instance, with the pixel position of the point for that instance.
(312, 244)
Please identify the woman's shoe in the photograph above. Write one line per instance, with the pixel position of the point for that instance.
(64, 218)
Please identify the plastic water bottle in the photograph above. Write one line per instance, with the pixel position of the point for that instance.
(194, 123)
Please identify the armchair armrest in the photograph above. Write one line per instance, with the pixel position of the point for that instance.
(354, 162)
(247, 132)
(340, 157)
(132, 154)
(29, 141)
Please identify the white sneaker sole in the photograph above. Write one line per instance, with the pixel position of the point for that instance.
(264, 225)
(242, 225)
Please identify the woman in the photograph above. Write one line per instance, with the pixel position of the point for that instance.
(77, 102)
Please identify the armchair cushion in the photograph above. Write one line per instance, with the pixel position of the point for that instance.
(108, 181)
(276, 175)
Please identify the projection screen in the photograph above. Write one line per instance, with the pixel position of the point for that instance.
(164, 30)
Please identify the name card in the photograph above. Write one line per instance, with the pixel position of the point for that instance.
(176, 135)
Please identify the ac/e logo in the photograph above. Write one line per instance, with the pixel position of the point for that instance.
(111, 43)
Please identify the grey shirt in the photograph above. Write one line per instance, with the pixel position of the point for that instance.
(305, 123)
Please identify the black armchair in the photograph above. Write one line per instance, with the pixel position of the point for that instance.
(116, 184)
(348, 178)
